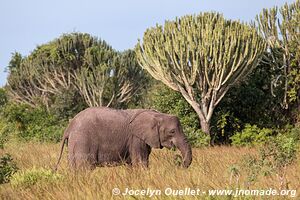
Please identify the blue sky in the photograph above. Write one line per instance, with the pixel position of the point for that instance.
(25, 24)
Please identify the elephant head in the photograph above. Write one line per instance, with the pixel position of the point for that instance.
(161, 130)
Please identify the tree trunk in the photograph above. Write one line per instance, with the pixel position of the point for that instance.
(205, 126)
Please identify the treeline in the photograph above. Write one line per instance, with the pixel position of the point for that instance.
(228, 82)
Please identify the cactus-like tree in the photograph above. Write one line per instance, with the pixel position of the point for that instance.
(113, 82)
(75, 62)
(201, 56)
(281, 30)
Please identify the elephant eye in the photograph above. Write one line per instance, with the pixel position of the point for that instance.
(172, 131)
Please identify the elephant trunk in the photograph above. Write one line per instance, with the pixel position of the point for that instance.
(185, 149)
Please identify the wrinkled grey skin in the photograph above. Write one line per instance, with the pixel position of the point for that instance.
(104, 136)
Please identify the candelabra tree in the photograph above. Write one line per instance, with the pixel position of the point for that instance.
(110, 78)
(281, 30)
(201, 56)
(130, 80)
(49, 69)
(75, 63)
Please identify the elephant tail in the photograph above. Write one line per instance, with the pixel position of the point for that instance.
(65, 137)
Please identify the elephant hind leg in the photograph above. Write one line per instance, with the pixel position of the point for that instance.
(83, 157)
(84, 161)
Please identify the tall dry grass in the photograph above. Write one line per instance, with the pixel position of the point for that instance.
(210, 169)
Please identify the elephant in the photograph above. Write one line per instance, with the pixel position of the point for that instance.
(101, 136)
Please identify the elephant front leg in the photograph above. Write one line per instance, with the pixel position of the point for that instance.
(139, 154)
(140, 160)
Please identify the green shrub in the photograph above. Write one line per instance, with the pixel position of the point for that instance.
(33, 176)
(292, 132)
(7, 168)
(4, 128)
(4, 132)
(279, 151)
(274, 156)
(3, 97)
(197, 138)
(33, 123)
(251, 135)
(224, 124)
(67, 104)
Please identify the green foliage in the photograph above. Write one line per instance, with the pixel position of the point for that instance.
(292, 132)
(168, 101)
(3, 97)
(197, 138)
(76, 67)
(251, 102)
(201, 56)
(280, 29)
(15, 62)
(33, 123)
(67, 104)
(7, 168)
(224, 124)
(279, 151)
(273, 157)
(5, 131)
(251, 135)
(131, 81)
(34, 176)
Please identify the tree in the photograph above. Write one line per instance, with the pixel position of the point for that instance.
(73, 64)
(113, 82)
(49, 69)
(202, 57)
(94, 77)
(281, 30)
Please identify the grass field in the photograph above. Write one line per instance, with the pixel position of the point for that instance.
(210, 169)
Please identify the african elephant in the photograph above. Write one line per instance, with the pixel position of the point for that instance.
(104, 136)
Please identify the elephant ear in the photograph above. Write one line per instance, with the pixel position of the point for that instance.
(146, 127)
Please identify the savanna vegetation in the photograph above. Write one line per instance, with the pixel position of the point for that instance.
(218, 167)
(234, 86)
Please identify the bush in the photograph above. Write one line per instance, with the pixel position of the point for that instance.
(280, 151)
(3, 97)
(7, 168)
(33, 176)
(292, 132)
(67, 104)
(224, 124)
(4, 132)
(197, 138)
(33, 123)
(4, 128)
(273, 157)
(251, 135)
